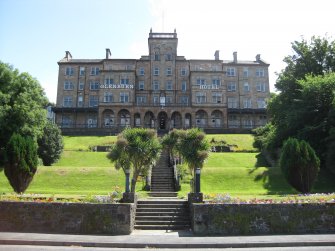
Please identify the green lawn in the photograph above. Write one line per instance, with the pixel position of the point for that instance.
(87, 173)
(243, 141)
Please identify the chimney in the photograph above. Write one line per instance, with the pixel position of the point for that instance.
(108, 53)
(258, 57)
(217, 55)
(235, 57)
(68, 55)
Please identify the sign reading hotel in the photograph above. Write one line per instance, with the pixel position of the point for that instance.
(209, 87)
(116, 86)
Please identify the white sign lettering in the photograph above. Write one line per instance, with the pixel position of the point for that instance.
(209, 87)
(116, 86)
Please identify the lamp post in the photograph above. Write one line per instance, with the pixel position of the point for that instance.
(197, 180)
(127, 180)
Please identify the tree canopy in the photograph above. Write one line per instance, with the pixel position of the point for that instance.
(303, 108)
(22, 105)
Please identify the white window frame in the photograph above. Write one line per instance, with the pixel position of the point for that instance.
(168, 71)
(95, 71)
(216, 97)
(124, 81)
(261, 103)
(231, 72)
(231, 86)
(183, 86)
(81, 71)
(232, 102)
(141, 71)
(94, 85)
(141, 100)
(169, 85)
(260, 87)
(69, 71)
(81, 85)
(201, 81)
(93, 100)
(183, 72)
(124, 97)
(156, 71)
(246, 72)
(156, 85)
(168, 100)
(246, 87)
(67, 101)
(260, 72)
(108, 97)
(68, 85)
(200, 97)
(80, 101)
(109, 81)
(141, 85)
(184, 100)
(247, 103)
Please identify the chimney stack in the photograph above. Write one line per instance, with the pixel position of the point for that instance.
(68, 55)
(217, 55)
(258, 57)
(108, 53)
(235, 57)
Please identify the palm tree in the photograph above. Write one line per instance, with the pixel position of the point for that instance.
(136, 149)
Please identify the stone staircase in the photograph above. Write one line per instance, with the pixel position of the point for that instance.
(161, 214)
(162, 210)
(162, 178)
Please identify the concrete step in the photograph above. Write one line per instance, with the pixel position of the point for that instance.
(160, 210)
(162, 227)
(160, 218)
(181, 213)
(179, 202)
(162, 206)
(161, 222)
(163, 194)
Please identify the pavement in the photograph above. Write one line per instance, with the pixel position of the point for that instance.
(164, 239)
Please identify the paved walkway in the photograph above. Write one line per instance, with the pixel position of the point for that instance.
(163, 239)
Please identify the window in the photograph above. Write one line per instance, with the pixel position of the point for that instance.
(184, 100)
(67, 121)
(156, 86)
(92, 121)
(247, 123)
(141, 100)
(67, 101)
(80, 101)
(156, 71)
(231, 72)
(184, 86)
(232, 121)
(168, 71)
(201, 81)
(124, 97)
(260, 73)
(156, 100)
(246, 87)
(108, 97)
(232, 102)
(168, 57)
(109, 81)
(81, 71)
(95, 70)
(216, 97)
(141, 85)
(216, 82)
(81, 86)
(260, 87)
(247, 103)
(94, 85)
(261, 103)
(69, 71)
(169, 85)
(157, 56)
(262, 120)
(183, 72)
(141, 73)
(124, 81)
(68, 85)
(245, 72)
(93, 100)
(231, 87)
(200, 97)
(168, 99)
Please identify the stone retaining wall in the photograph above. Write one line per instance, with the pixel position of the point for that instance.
(262, 219)
(67, 218)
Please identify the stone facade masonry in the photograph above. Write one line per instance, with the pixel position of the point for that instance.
(67, 218)
(262, 219)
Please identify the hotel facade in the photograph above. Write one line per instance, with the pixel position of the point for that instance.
(162, 91)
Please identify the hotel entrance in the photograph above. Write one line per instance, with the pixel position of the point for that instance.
(162, 121)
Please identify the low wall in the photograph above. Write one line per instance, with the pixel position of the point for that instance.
(262, 219)
(67, 218)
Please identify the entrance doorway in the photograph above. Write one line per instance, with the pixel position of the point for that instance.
(162, 120)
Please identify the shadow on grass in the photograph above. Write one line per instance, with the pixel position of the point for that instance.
(274, 181)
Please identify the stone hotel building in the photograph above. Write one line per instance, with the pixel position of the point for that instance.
(161, 90)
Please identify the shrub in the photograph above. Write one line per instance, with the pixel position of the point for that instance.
(299, 164)
(20, 162)
(50, 145)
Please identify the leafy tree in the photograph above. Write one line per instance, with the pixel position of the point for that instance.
(194, 148)
(21, 162)
(22, 105)
(50, 145)
(299, 164)
(170, 141)
(136, 149)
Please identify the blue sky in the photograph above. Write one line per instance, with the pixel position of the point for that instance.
(34, 34)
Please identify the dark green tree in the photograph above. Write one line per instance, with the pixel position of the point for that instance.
(194, 148)
(136, 149)
(170, 142)
(22, 105)
(20, 162)
(299, 164)
(50, 145)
